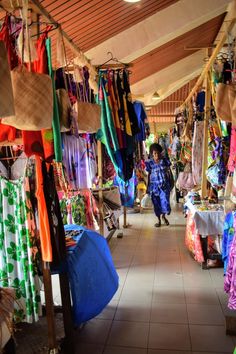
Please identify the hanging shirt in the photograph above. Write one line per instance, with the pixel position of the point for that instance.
(141, 116)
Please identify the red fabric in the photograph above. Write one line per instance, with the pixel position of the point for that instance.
(5, 37)
(6, 131)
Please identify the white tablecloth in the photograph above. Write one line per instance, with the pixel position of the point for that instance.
(208, 222)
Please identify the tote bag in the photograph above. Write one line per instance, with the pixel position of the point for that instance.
(6, 93)
(33, 100)
(89, 117)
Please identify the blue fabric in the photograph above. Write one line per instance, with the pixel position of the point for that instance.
(161, 203)
(200, 101)
(228, 236)
(127, 190)
(92, 275)
(141, 116)
(158, 177)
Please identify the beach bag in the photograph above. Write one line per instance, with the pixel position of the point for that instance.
(228, 204)
(89, 117)
(33, 100)
(146, 202)
(6, 93)
(225, 104)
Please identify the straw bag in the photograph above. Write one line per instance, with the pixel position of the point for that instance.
(33, 100)
(225, 104)
(89, 117)
(6, 94)
(64, 109)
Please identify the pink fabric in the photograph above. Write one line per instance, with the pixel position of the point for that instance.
(230, 276)
(232, 155)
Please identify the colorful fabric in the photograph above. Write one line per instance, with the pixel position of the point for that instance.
(158, 176)
(232, 155)
(192, 239)
(127, 190)
(230, 276)
(44, 229)
(197, 152)
(56, 119)
(18, 251)
(227, 240)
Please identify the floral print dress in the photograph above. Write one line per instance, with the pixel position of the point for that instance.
(18, 251)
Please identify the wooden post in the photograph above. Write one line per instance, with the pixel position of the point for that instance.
(125, 217)
(47, 281)
(67, 313)
(100, 193)
(228, 28)
(205, 136)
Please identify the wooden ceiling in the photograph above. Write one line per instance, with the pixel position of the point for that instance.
(175, 50)
(92, 23)
(164, 111)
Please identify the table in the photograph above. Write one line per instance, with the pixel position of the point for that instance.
(206, 223)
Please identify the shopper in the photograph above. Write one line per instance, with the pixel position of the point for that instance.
(159, 183)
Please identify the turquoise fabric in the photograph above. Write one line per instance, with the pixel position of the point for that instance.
(56, 120)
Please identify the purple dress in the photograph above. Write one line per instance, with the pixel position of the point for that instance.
(230, 277)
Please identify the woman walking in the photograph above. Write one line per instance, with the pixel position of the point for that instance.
(159, 183)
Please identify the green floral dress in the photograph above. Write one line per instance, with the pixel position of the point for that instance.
(18, 251)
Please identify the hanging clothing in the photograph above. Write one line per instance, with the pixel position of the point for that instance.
(227, 240)
(76, 162)
(230, 276)
(141, 116)
(57, 234)
(197, 152)
(18, 251)
(127, 190)
(232, 155)
(43, 217)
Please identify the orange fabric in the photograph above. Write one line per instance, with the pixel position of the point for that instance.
(44, 230)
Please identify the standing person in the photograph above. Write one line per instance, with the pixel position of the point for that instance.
(159, 183)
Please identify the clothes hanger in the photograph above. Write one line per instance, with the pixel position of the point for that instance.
(50, 26)
(117, 64)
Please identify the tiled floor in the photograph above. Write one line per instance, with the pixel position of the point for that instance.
(166, 304)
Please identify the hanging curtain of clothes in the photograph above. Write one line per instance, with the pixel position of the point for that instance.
(18, 245)
(119, 123)
(229, 258)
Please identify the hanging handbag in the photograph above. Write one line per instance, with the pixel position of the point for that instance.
(6, 93)
(185, 179)
(33, 100)
(225, 103)
(89, 117)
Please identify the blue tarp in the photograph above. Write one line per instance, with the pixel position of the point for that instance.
(92, 275)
